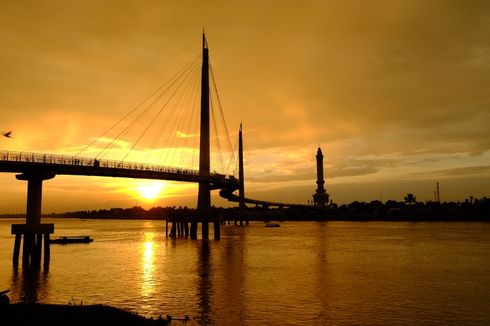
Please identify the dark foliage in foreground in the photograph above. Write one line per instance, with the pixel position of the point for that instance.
(46, 314)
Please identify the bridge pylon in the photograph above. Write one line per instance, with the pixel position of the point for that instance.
(241, 189)
(204, 195)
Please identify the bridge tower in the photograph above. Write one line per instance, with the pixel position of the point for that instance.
(241, 187)
(320, 198)
(204, 195)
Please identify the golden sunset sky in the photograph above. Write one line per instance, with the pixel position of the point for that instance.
(397, 93)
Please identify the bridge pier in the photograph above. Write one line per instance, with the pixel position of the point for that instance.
(179, 228)
(32, 231)
(186, 229)
(217, 230)
(194, 229)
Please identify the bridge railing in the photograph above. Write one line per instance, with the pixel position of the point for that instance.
(48, 159)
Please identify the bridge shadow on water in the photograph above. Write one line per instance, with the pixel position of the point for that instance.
(28, 284)
(205, 286)
(221, 279)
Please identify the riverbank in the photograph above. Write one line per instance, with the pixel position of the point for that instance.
(50, 314)
(472, 209)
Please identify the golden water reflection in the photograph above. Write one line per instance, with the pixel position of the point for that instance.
(148, 265)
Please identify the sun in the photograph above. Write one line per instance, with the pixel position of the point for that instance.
(150, 190)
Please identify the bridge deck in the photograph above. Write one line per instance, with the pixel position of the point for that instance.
(228, 194)
(21, 162)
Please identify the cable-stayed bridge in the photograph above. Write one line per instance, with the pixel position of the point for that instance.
(99, 157)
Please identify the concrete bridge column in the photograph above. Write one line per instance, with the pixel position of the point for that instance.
(33, 230)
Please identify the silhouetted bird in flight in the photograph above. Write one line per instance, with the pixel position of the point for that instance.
(8, 134)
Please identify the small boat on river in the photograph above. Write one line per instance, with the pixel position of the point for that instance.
(72, 239)
(271, 225)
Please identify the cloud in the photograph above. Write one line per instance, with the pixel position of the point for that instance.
(462, 171)
(350, 172)
(267, 178)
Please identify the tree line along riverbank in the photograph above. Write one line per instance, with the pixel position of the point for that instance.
(470, 209)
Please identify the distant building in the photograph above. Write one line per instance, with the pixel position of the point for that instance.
(320, 197)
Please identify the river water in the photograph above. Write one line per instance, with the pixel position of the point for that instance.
(301, 273)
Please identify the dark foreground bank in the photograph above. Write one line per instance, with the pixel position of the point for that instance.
(47, 314)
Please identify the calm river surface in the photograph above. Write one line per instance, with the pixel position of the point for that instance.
(302, 273)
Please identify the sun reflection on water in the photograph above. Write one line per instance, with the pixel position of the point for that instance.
(147, 265)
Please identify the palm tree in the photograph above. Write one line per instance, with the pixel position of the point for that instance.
(410, 199)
